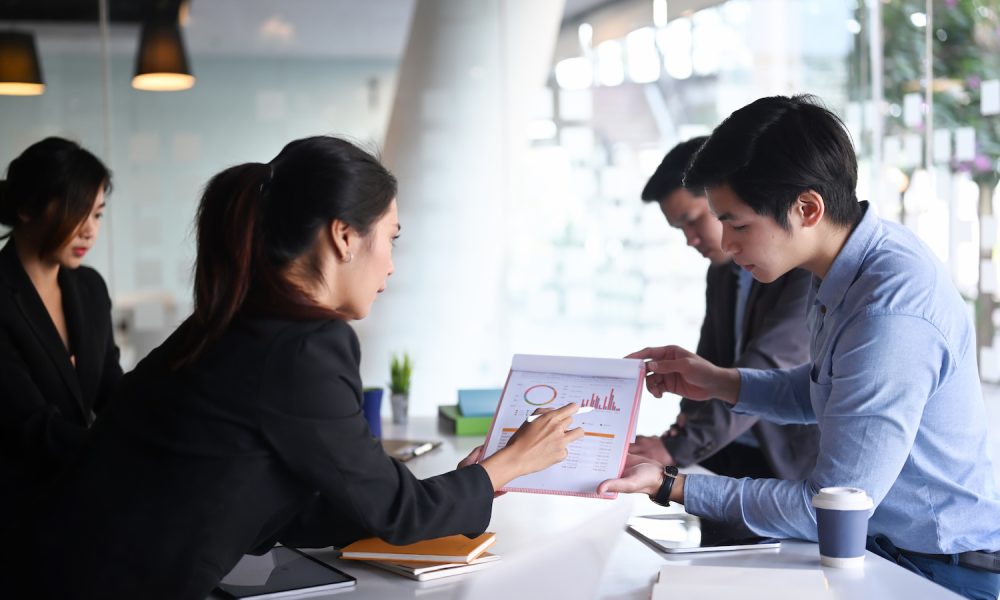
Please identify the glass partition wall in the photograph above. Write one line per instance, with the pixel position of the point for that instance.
(587, 268)
(917, 83)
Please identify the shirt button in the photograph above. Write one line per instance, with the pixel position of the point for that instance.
(822, 309)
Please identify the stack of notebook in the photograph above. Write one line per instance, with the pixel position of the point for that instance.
(473, 414)
(429, 559)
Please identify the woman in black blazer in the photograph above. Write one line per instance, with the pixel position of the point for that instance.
(58, 359)
(245, 427)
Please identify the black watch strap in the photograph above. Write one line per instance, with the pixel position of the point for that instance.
(662, 496)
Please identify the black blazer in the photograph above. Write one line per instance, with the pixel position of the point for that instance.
(773, 336)
(262, 439)
(47, 405)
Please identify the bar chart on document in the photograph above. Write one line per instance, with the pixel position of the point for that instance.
(608, 428)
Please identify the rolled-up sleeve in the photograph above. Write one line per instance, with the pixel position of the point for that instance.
(869, 409)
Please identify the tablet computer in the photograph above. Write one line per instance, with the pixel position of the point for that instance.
(681, 533)
(281, 573)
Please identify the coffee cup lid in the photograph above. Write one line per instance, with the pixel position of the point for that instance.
(842, 498)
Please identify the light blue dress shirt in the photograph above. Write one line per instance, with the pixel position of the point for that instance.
(894, 388)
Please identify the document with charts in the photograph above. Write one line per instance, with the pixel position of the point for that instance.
(611, 386)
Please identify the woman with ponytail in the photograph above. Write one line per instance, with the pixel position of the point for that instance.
(245, 427)
(58, 360)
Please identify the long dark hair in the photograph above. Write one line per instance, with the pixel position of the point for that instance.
(255, 219)
(53, 182)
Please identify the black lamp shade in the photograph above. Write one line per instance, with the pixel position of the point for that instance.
(161, 64)
(20, 69)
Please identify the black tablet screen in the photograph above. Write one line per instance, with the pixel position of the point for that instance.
(281, 570)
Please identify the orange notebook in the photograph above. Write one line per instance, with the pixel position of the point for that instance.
(452, 549)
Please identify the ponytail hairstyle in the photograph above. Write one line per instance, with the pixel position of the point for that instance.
(51, 185)
(254, 219)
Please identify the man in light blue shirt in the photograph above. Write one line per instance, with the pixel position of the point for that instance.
(892, 382)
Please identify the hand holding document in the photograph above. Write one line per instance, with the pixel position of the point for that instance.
(605, 394)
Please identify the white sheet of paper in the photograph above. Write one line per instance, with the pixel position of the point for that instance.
(942, 145)
(965, 143)
(611, 386)
(989, 99)
(913, 110)
(913, 150)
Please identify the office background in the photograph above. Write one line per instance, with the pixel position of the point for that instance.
(522, 132)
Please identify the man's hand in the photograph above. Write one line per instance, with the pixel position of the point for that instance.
(643, 478)
(675, 370)
(652, 449)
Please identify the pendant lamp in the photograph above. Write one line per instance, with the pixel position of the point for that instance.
(161, 64)
(20, 70)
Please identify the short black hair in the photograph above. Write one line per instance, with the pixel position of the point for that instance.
(774, 149)
(670, 174)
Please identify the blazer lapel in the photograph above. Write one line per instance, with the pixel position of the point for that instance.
(79, 337)
(38, 319)
(756, 289)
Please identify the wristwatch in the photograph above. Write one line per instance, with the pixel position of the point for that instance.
(662, 496)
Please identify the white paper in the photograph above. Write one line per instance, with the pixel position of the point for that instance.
(575, 365)
(913, 150)
(913, 110)
(965, 143)
(942, 145)
(611, 386)
(561, 564)
(989, 99)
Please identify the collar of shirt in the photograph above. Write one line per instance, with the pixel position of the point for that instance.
(830, 291)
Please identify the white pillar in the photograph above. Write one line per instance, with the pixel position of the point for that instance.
(454, 141)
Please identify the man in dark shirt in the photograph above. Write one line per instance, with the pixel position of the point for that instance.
(747, 324)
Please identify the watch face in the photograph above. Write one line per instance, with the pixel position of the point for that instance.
(671, 470)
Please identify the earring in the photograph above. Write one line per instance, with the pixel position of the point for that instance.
(349, 257)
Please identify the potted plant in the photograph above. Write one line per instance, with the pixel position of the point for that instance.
(400, 370)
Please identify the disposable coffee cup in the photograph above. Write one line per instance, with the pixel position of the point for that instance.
(842, 520)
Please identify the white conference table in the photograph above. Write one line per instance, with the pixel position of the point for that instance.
(521, 520)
